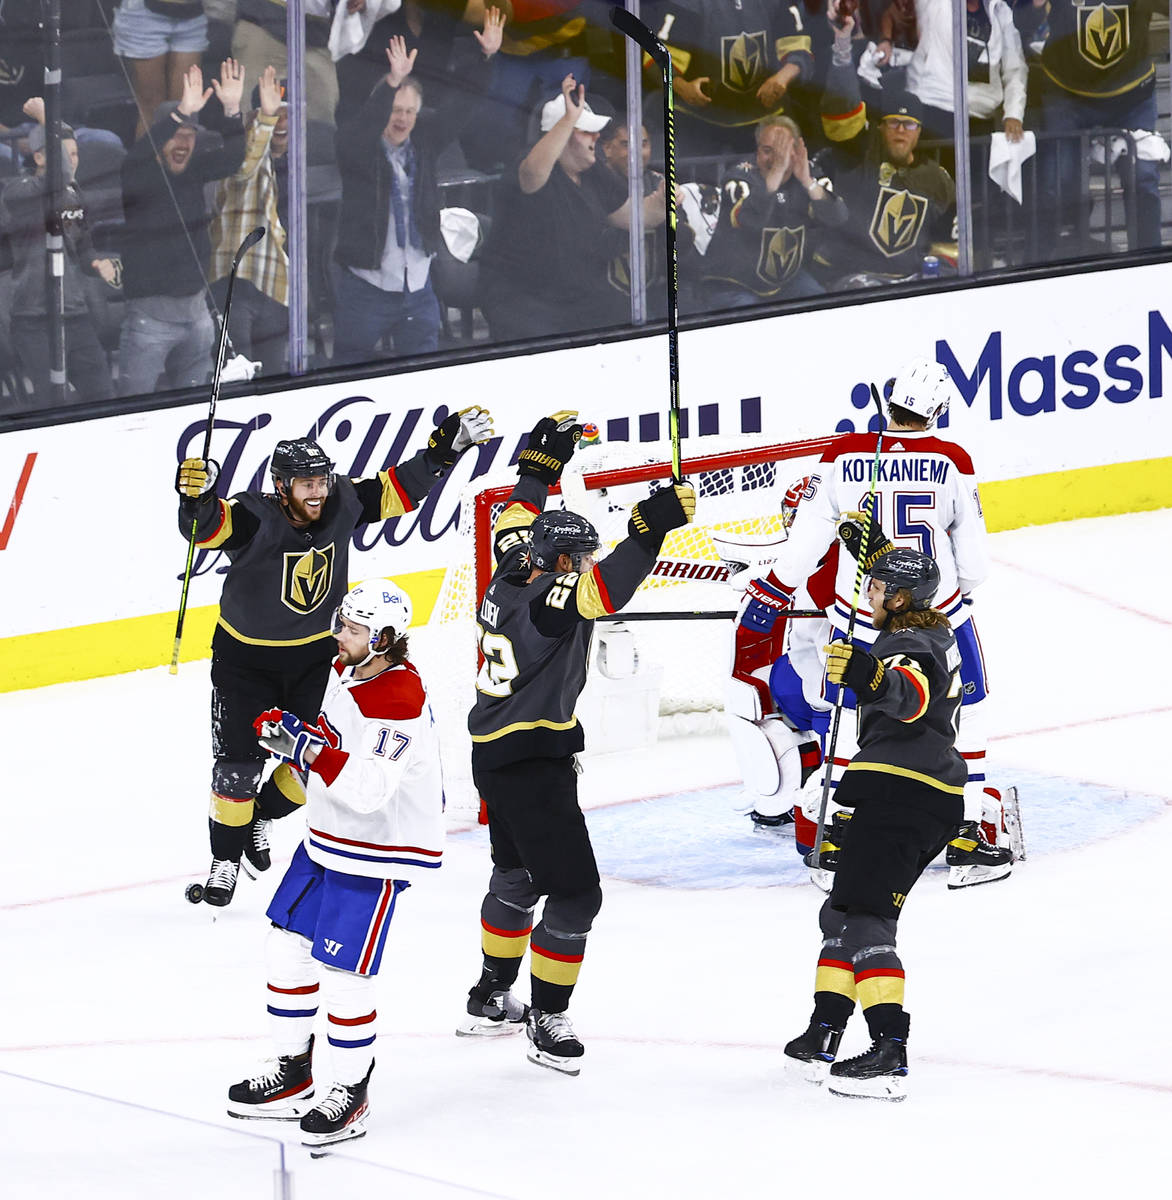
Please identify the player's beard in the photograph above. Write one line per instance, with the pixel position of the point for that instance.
(302, 515)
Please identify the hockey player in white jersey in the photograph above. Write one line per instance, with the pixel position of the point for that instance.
(926, 497)
(370, 768)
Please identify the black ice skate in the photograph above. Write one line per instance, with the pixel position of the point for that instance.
(492, 1011)
(972, 860)
(221, 885)
(809, 1056)
(877, 1074)
(767, 823)
(340, 1117)
(257, 855)
(553, 1043)
(280, 1092)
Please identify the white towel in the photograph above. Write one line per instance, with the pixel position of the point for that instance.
(1005, 159)
(349, 31)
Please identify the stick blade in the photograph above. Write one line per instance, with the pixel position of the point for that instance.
(633, 28)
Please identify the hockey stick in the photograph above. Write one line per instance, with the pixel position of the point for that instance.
(246, 245)
(815, 854)
(630, 25)
(708, 615)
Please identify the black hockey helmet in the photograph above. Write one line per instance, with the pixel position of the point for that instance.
(299, 458)
(559, 532)
(904, 568)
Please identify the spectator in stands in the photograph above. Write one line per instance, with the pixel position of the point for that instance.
(257, 194)
(737, 62)
(167, 331)
(898, 205)
(158, 40)
(898, 29)
(764, 238)
(1099, 74)
(545, 263)
(389, 227)
(22, 218)
(258, 41)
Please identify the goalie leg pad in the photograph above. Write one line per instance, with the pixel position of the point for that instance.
(769, 754)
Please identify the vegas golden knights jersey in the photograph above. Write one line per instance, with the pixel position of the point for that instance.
(1100, 50)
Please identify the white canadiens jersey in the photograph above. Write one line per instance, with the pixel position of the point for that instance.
(926, 499)
(375, 802)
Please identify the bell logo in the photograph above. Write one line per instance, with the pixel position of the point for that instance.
(332, 947)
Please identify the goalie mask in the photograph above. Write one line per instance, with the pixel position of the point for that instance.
(793, 496)
(923, 387)
(555, 533)
(909, 569)
(300, 458)
(378, 604)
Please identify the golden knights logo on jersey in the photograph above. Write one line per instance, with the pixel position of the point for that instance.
(782, 251)
(743, 61)
(306, 579)
(898, 218)
(1104, 33)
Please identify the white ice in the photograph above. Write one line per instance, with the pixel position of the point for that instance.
(1039, 1050)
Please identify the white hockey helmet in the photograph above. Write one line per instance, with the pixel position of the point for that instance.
(923, 387)
(378, 604)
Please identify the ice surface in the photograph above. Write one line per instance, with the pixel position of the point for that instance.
(1040, 1054)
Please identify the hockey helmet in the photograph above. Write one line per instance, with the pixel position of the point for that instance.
(300, 458)
(378, 604)
(910, 569)
(923, 387)
(555, 533)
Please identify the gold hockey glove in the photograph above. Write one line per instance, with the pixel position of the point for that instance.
(849, 666)
(196, 478)
(850, 531)
(552, 442)
(667, 509)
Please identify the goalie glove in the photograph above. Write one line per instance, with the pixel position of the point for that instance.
(851, 667)
(196, 477)
(454, 435)
(850, 531)
(286, 737)
(552, 442)
(654, 518)
(765, 600)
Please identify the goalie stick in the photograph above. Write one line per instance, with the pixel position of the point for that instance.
(246, 245)
(630, 25)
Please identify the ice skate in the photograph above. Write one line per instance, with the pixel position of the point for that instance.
(553, 1043)
(771, 825)
(492, 1012)
(340, 1117)
(879, 1073)
(972, 860)
(221, 885)
(824, 864)
(809, 1056)
(280, 1092)
(257, 855)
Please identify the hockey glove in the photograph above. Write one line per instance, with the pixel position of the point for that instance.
(196, 478)
(765, 600)
(850, 530)
(286, 737)
(454, 435)
(667, 509)
(552, 442)
(851, 667)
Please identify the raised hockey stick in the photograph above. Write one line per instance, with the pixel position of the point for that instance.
(813, 858)
(630, 25)
(684, 614)
(246, 245)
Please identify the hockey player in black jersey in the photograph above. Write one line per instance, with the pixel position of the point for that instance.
(906, 787)
(535, 622)
(288, 552)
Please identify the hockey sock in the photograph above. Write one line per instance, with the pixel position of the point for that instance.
(228, 840)
(351, 1022)
(504, 937)
(282, 793)
(879, 982)
(555, 962)
(834, 985)
(292, 990)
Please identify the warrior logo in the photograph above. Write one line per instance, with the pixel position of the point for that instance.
(1104, 33)
(743, 61)
(782, 251)
(898, 219)
(307, 579)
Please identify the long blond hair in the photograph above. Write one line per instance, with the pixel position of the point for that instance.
(915, 618)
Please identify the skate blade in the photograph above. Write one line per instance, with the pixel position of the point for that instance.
(1011, 808)
(483, 1027)
(885, 1087)
(962, 877)
(249, 1113)
(567, 1066)
(813, 1072)
(320, 1149)
(821, 879)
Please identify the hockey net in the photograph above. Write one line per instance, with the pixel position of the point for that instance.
(740, 485)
